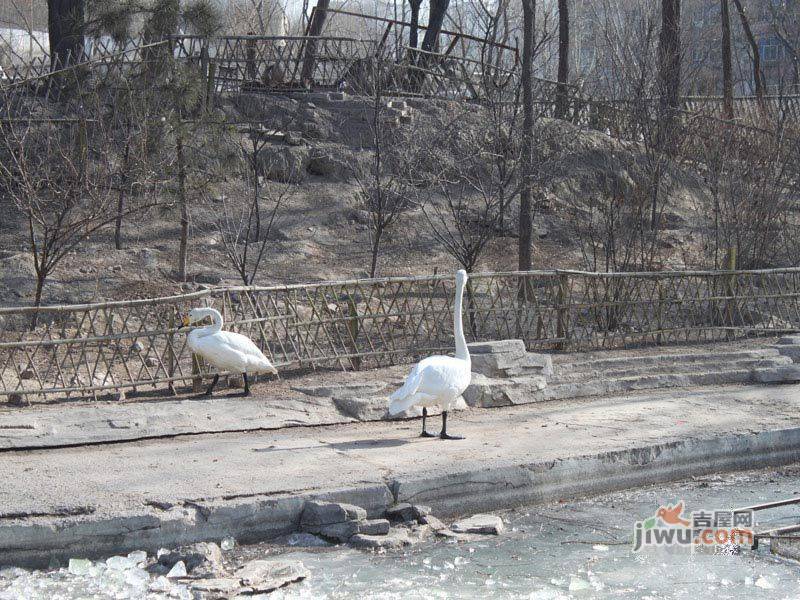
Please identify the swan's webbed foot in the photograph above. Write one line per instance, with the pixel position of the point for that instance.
(210, 389)
(425, 433)
(444, 435)
(246, 392)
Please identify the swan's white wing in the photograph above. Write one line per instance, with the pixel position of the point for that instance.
(233, 351)
(434, 380)
(410, 385)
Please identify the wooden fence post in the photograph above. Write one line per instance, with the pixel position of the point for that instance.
(211, 86)
(659, 312)
(562, 318)
(730, 292)
(197, 378)
(352, 328)
(171, 352)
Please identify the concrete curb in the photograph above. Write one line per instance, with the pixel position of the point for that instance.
(36, 541)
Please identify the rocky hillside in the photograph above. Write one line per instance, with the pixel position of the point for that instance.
(311, 143)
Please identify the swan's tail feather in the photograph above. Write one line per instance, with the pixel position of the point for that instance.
(403, 404)
(409, 387)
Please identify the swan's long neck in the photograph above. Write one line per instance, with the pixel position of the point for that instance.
(216, 324)
(462, 352)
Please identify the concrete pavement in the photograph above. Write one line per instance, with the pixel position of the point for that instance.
(102, 499)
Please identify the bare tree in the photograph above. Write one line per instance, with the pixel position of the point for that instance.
(526, 192)
(562, 101)
(65, 24)
(758, 77)
(727, 69)
(752, 180)
(61, 175)
(382, 187)
(244, 230)
(669, 50)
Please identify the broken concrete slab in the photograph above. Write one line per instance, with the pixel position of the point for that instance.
(434, 523)
(374, 527)
(487, 392)
(224, 586)
(340, 532)
(207, 555)
(264, 576)
(396, 538)
(515, 347)
(318, 514)
(508, 358)
(401, 512)
(479, 524)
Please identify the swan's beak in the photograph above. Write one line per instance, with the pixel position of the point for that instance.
(185, 322)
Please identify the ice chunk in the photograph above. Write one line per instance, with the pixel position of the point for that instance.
(177, 570)
(120, 563)
(137, 577)
(228, 543)
(79, 566)
(139, 556)
(600, 547)
(576, 584)
(765, 583)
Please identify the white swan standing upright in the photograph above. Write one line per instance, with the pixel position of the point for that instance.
(225, 350)
(439, 380)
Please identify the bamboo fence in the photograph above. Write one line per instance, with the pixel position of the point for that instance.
(105, 348)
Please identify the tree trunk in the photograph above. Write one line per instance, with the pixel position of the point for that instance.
(121, 199)
(669, 51)
(65, 27)
(314, 30)
(758, 78)
(184, 242)
(727, 70)
(438, 11)
(562, 98)
(41, 276)
(526, 193)
(376, 245)
(413, 30)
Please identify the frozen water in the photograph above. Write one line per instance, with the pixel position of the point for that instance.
(79, 566)
(228, 543)
(139, 557)
(569, 550)
(576, 584)
(177, 570)
(120, 563)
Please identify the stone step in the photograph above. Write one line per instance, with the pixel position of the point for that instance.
(601, 386)
(712, 358)
(632, 370)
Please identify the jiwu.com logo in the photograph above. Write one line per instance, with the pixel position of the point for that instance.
(671, 526)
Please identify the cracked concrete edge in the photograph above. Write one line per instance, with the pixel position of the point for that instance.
(35, 542)
(518, 485)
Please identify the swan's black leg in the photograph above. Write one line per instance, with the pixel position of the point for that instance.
(211, 387)
(444, 435)
(425, 431)
(246, 391)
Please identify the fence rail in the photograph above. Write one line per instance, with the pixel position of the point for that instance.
(95, 349)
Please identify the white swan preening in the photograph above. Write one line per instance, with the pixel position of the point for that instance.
(225, 350)
(439, 380)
